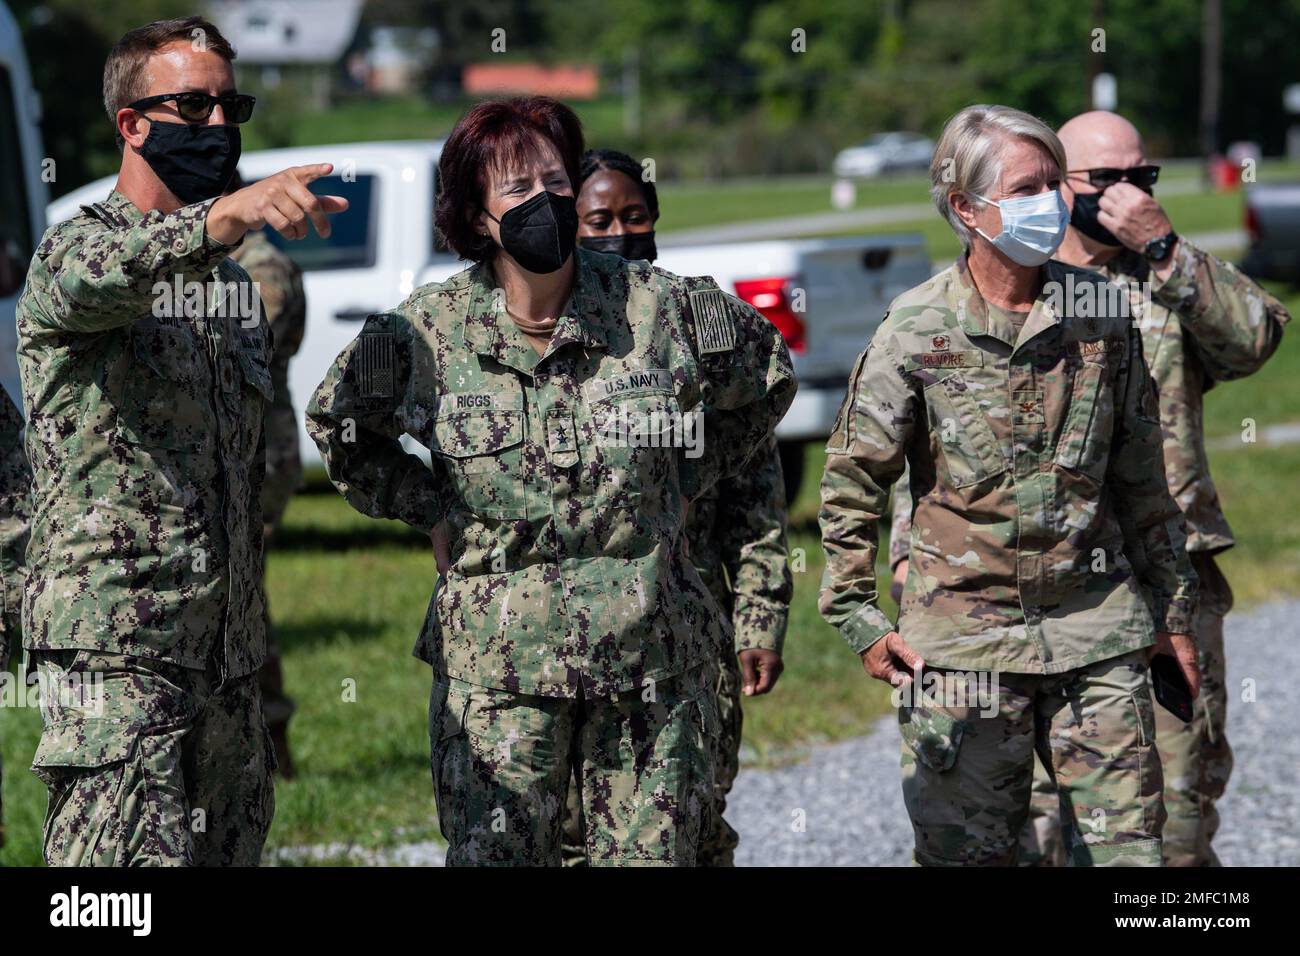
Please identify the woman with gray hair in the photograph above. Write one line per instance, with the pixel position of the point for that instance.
(1047, 557)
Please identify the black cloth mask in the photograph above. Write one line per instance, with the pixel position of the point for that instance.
(194, 161)
(540, 232)
(1084, 217)
(630, 245)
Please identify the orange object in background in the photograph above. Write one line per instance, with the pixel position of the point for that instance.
(567, 82)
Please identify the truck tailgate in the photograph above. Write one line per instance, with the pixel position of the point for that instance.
(849, 284)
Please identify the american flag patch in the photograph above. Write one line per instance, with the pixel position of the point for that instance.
(713, 324)
(376, 358)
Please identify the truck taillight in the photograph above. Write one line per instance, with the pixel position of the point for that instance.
(1252, 225)
(769, 296)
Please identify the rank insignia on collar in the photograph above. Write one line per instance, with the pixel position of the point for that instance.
(714, 328)
(939, 343)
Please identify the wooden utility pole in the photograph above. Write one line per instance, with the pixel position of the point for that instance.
(1211, 49)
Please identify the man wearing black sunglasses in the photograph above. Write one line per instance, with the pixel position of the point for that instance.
(1202, 322)
(145, 364)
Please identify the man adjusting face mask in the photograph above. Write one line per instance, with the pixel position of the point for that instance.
(540, 232)
(1032, 227)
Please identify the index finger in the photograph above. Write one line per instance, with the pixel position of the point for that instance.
(312, 171)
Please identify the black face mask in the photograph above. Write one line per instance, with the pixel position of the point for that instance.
(540, 232)
(194, 161)
(1084, 218)
(630, 245)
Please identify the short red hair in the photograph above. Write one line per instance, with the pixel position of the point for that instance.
(492, 137)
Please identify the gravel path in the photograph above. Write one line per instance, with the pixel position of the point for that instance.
(843, 805)
(853, 805)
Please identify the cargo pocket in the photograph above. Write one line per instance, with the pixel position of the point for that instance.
(933, 736)
(448, 709)
(970, 449)
(484, 455)
(1085, 436)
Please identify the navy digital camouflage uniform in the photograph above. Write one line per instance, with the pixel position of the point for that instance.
(570, 631)
(15, 518)
(145, 439)
(1022, 569)
(736, 533)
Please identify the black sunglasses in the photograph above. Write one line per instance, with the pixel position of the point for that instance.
(196, 107)
(1143, 177)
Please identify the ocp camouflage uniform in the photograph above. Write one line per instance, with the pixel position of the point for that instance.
(570, 631)
(279, 282)
(145, 439)
(1205, 323)
(15, 519)
(1020, 566)
(736, 533)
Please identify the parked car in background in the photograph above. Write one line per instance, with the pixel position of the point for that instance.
(826, 296)
(884, 153)
(1273, 230)
(22, 190)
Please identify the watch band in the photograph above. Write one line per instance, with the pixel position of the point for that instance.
(1160, 247)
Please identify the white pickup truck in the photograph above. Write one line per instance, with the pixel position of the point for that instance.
(385, 246)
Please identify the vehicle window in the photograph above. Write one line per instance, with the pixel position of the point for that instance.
(15, 217)
(353, 236)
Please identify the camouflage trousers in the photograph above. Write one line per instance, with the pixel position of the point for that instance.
(157, 765)
(967, 770)
(502, 763)
(1195, 758)
(719, 841)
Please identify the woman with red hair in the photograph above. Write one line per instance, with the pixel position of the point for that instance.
(573, 403)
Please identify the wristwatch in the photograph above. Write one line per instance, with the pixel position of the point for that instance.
(1157, 249)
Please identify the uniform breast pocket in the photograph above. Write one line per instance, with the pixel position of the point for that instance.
(1084, 444)
(483, 451)
(254, 396)
(969, 448)
(638, 439)
(166, 402)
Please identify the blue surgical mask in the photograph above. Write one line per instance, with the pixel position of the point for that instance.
(1032, 227)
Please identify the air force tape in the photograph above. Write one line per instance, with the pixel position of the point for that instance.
(715, 329)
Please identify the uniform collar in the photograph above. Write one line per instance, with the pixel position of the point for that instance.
(490, 330)
(972, 311)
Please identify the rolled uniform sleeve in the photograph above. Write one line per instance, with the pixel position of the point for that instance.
(355, 419)
(752, 543)
(107, 279)
(748, 382)
(1236, 324)
(865, 457)
(1154, 531)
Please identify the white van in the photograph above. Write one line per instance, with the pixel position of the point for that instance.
(23, 194)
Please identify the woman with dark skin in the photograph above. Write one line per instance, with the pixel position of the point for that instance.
(735, 531)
